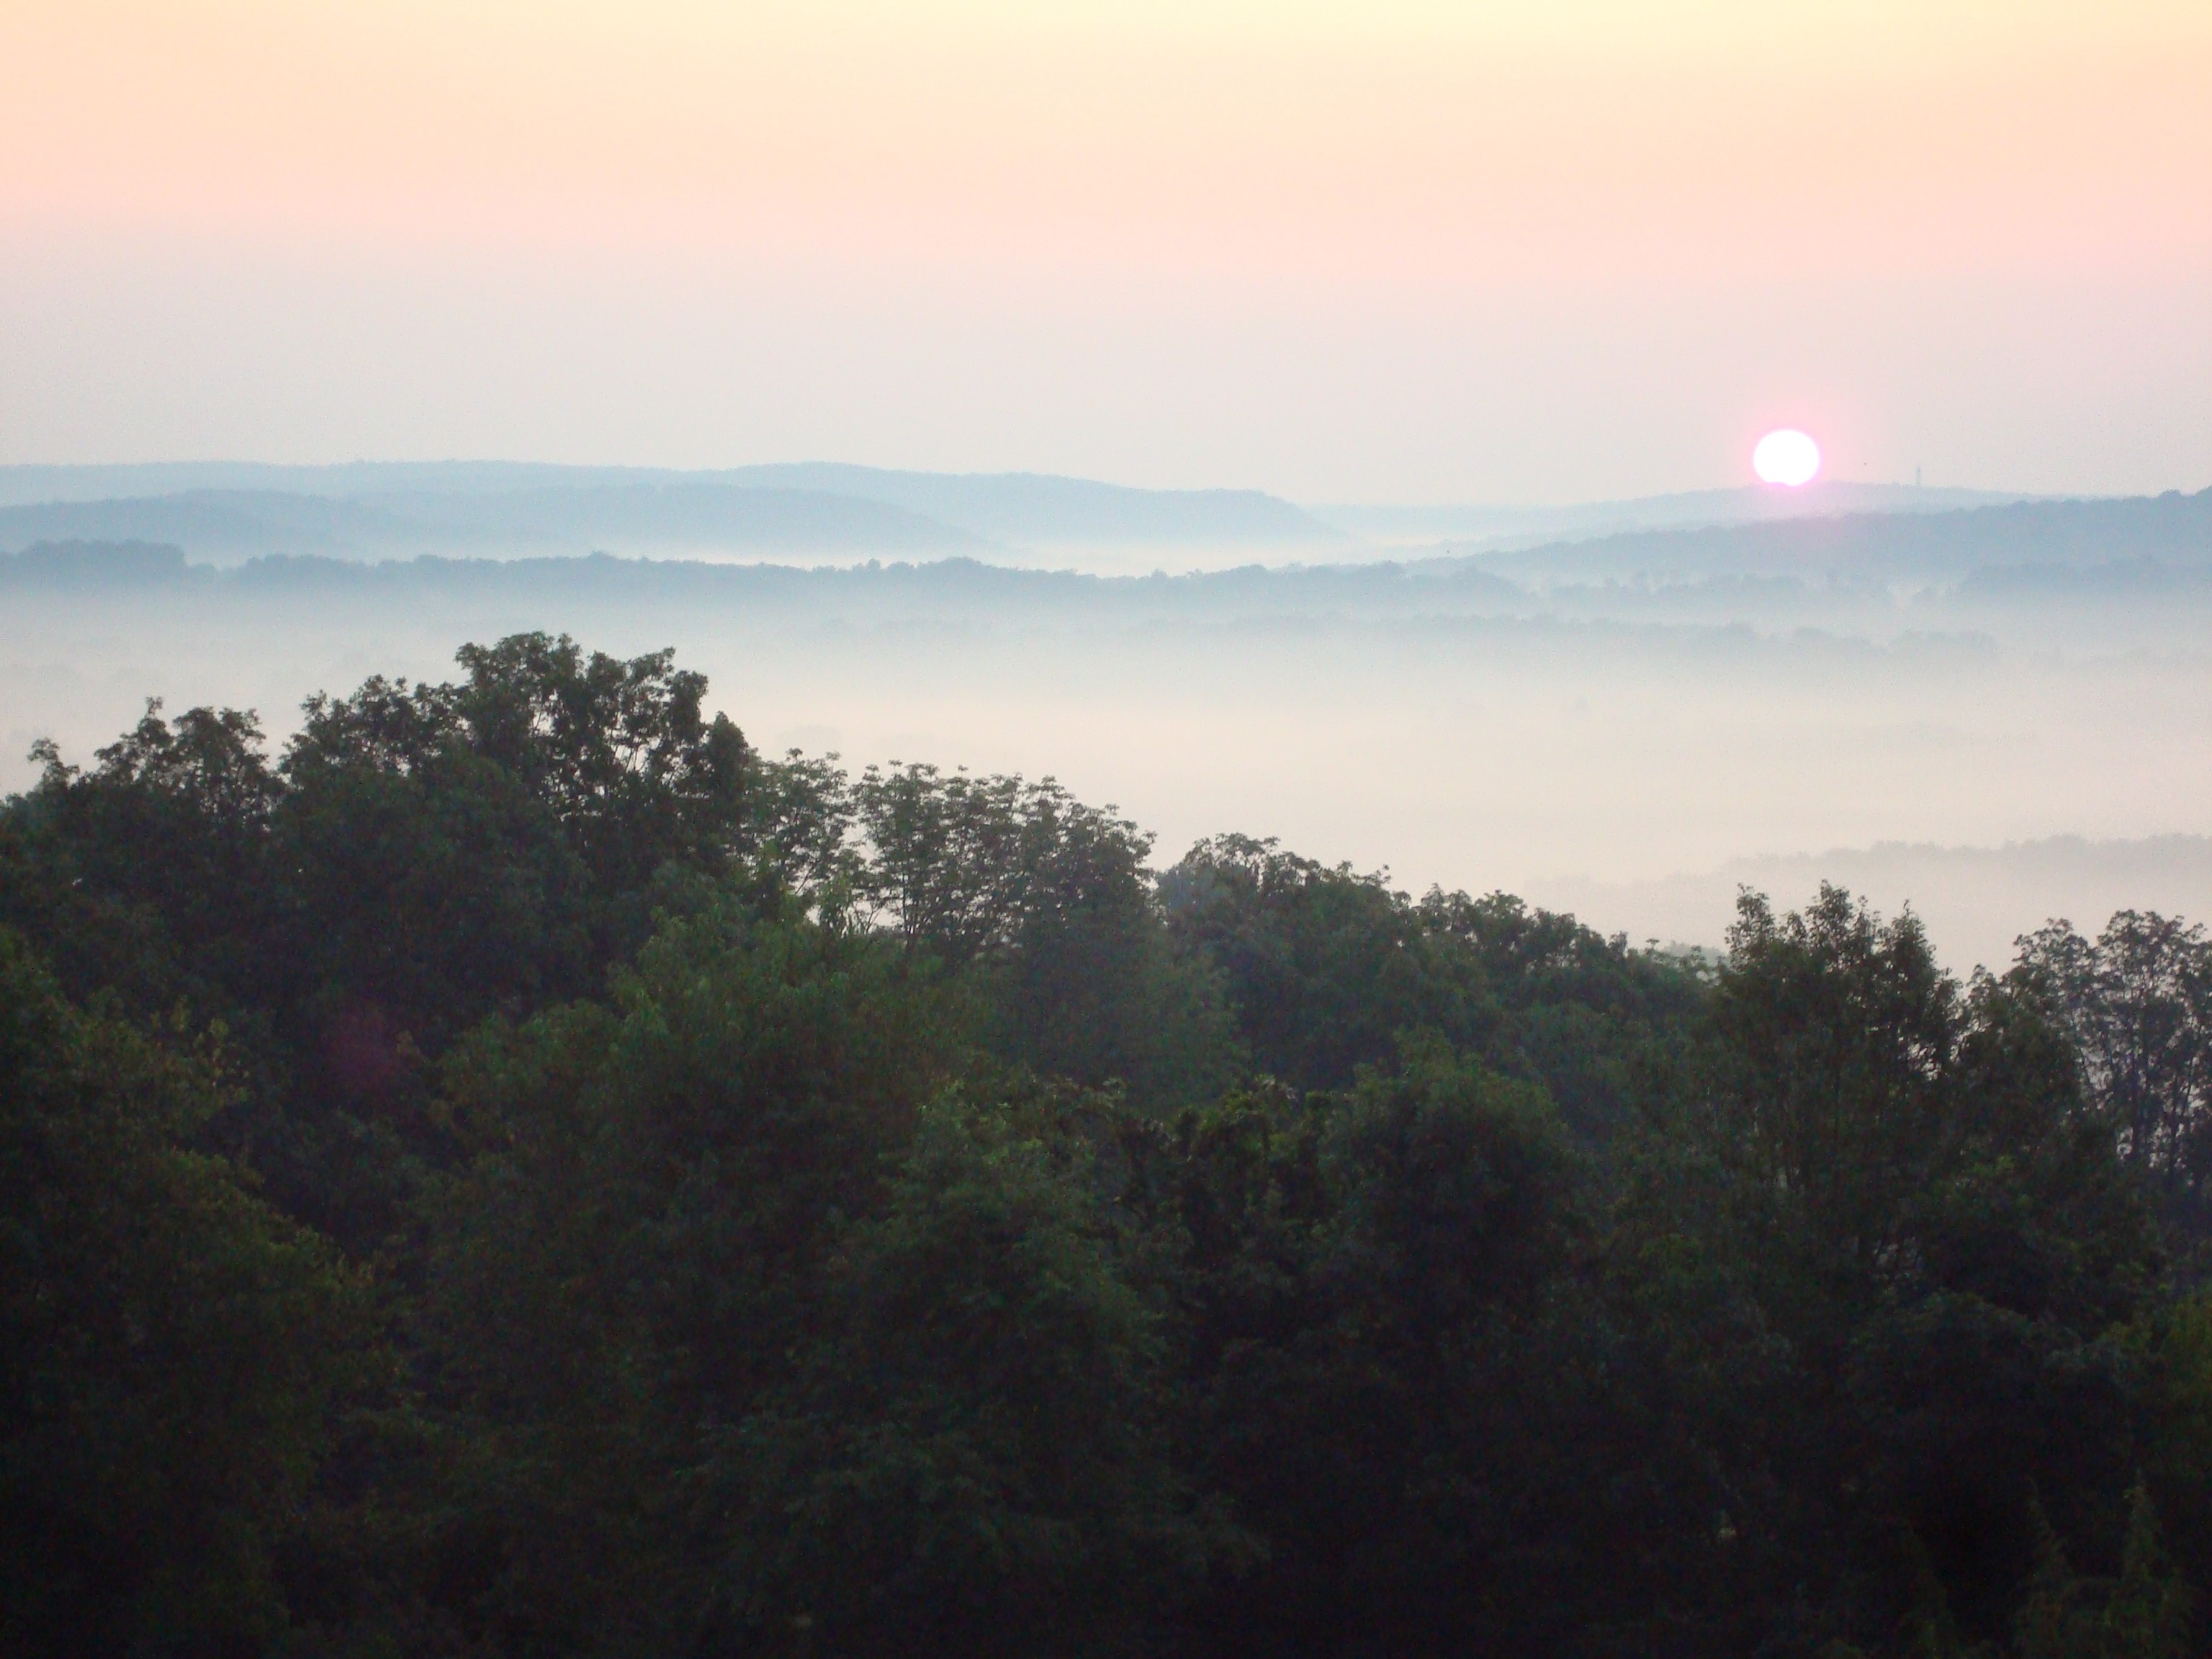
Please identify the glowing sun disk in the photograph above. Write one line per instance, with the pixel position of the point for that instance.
(1787, 457)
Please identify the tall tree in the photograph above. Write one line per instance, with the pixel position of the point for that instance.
(2137, 1001)
(1922, 1247)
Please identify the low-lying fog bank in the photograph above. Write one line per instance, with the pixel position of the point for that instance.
(1586, 746)
(1974, 901)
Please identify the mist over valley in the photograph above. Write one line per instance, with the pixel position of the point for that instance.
(1991, 711)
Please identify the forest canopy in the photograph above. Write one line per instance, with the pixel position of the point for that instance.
(515, 1170)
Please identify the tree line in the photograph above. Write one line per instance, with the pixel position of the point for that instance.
(519, 1172)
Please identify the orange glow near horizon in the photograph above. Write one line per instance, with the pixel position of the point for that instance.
(1549, 142)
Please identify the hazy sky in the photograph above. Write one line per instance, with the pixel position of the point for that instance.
(1551, 249)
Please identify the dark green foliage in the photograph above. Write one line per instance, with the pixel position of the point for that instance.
(420, 858)
(1326, 969)
(518, 1174)
(1378, 1299)
(1046, 906)
(512, 822)
(2142, 1614)
(1323, 967)
(170, 1349)
(1929, 1256)
(1580, 1013)
(624, 1270)
(2137, 1002)
(148, 876)
(429, 853)
(971, 1456)
(2177, 1466)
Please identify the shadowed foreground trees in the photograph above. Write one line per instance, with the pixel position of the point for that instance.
(518, 1173)
(172, 1354)
(2137, 1002)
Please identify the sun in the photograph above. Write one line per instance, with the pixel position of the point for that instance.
(1787, 457)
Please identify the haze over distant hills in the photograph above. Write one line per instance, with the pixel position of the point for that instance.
(1916, 569)
(2171, 529)
(226, 512)
(223, 513)
(815, 515)
(1475, 527)
(228, 527)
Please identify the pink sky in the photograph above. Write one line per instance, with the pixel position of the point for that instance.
(1512, 251)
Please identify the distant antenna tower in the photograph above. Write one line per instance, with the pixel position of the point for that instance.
(1916, 477)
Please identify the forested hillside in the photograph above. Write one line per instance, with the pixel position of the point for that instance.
(518, 1172)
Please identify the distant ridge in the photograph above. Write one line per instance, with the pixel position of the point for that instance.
(230, 512)
(226, 511)
(956, 589)
(1480, 528)
(230, 525)
(2084, 556)
(1039, 508)
(2171, 529)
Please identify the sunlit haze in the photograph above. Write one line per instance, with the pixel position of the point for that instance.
(1531, 252)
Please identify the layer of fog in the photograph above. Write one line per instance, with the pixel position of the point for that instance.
(1629, 750)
